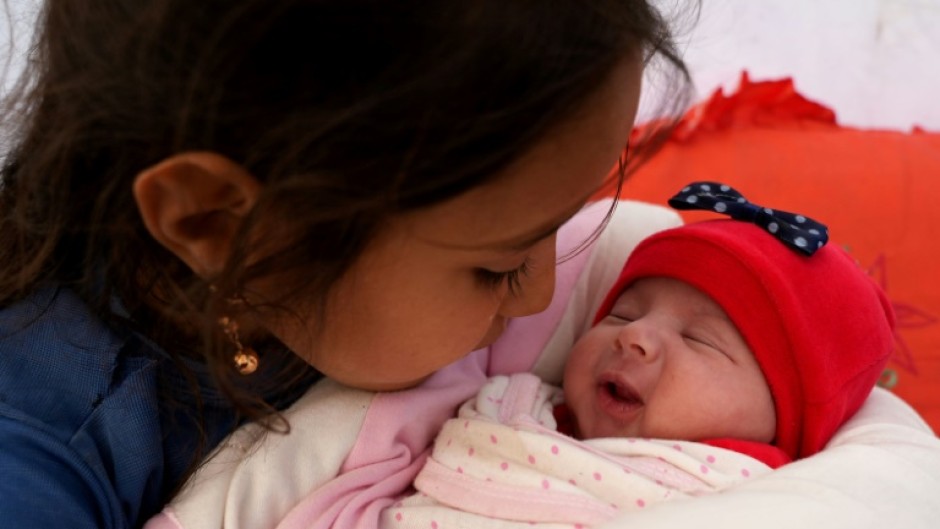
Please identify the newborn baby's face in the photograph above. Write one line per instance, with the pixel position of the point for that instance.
(667, 363)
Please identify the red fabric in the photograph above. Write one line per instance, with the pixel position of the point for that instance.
(566, 421)
(820, 328)
(877, 191)
(764, 104)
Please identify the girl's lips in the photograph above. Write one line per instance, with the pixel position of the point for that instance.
(617, 398)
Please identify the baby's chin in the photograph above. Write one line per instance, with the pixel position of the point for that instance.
(600, 432)
(587, 428)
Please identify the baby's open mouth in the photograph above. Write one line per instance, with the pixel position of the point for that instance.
(624, 394)
(617, 399)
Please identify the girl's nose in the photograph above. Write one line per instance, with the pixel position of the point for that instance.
(639, 338)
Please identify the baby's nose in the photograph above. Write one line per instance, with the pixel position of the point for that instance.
(640, 338)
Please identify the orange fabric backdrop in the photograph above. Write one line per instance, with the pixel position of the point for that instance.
(878, 191)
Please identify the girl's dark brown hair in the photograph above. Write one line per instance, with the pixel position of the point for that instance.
(348, 111)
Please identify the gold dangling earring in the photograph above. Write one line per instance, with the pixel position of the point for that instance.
(246, 359)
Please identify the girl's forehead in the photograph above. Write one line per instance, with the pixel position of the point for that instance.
(508, 214)
(508, 222)
(548, 184)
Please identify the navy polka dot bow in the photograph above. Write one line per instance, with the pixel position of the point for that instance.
(796, 231)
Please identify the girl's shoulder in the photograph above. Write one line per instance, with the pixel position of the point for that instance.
(78, 408)
(58, 361)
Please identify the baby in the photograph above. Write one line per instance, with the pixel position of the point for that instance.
(724, 350)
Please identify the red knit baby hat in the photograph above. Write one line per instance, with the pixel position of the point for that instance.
(819, 327)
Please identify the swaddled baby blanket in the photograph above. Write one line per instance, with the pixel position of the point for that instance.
(502, 463)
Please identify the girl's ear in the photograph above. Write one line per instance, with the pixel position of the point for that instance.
(193, 204)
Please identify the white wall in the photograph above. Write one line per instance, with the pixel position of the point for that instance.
(875, 62)
(16, 20)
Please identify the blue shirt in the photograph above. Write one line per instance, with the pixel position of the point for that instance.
(86, 441)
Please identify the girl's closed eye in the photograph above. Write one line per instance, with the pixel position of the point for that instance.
(512, 278)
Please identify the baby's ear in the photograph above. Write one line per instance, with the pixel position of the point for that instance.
(193, 204)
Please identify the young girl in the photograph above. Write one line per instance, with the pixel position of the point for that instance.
(206, 201)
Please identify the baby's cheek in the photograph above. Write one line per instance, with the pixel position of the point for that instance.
(763, 418)
(579, 396)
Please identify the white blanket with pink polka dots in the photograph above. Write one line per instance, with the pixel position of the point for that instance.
(501, 463)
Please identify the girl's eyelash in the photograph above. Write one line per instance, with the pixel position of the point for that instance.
(512, 277)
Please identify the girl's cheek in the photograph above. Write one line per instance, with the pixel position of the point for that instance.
(483, 322)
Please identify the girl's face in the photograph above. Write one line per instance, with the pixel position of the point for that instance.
(667, 363)
(440, 282)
